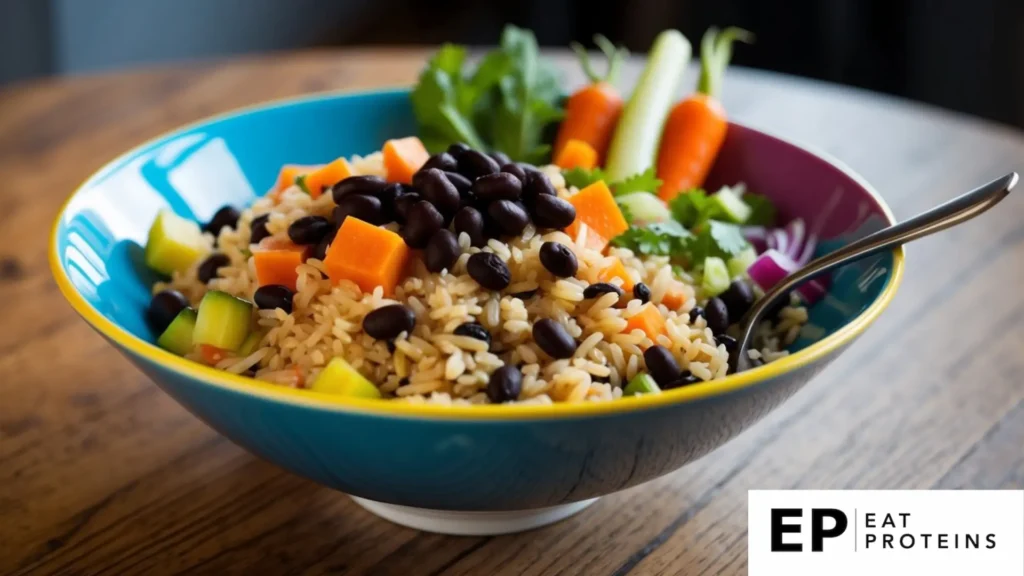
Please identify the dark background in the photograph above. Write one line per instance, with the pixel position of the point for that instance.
(960, 54)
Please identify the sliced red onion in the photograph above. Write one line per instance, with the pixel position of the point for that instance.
(810, 245)
(795, 231)
(757, 236)
(772, 266)
(777, 240)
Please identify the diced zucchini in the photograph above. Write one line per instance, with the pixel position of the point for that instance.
(340, 378)
(739, 263)
(223, 321)
(644, 207)
(177, 337)
(174, 243)
(641, 384)
(716, 277)
(735, 209)
(252, 342)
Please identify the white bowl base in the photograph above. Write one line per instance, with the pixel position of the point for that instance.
(472, 523)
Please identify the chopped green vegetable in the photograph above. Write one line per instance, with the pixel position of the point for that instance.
(646, 181)
(641, 384)
(252, 342)
(638, 133)
(716, 277)
(177, 337)
(505, 103)
(739, 263)
(300, 181)
(762, 211)
(581, 177)
(340, 378)
(693, 208)
(643, 208)
(223, 321)
(658, 239)
(174, 243)
(731, 206)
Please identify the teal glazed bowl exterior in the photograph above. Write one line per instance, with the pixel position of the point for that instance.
(489, 458)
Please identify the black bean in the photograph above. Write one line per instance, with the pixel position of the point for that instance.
(442, 251)
(510, 217)
(474, 164)
(717, 316)
(442, 161)
(258, 229)
(552, 338)
(728, 341)
(435, 188)
(462, 184)
(641, 292)
(738, 298)
(388, 322)
(208, 269)
(402, 205)
(527, 294)
(528, 168)
(273, 296)
(558, 259)
(552, 212)
(470, 221)
(226, 216)
(362, 185)
(500, 186)
(500, 157)
(537, 184)
(696, 312)
(515, 170)
(686, 379)
(473, 330)
(422, 221)
(505, 384)
(320, 250)
(164, 308)
(600, 289)
(661, 365)
(458, 149)
(365, 208)
(310, 229)
(388, 196)
(489, 271)
(390, 345)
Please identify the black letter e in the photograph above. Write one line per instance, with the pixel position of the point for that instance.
(778, 529)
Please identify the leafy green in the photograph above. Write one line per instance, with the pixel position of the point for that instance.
(716, 239)
(504, 103)
(694, 208)
(300, 181)
(762, 210)
(658, 239)
(581, 177)
(646, 181)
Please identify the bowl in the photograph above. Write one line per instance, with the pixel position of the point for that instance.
(469, 470)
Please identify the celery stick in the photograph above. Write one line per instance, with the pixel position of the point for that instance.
(635, 144)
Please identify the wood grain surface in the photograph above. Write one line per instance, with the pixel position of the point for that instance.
(101, 473)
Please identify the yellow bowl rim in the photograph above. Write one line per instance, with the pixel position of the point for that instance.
(317, 400)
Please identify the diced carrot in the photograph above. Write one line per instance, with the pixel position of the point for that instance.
(403, 157)
(277, 262)
(368, 255)
(576, 154)
(617, 270)
(649, 319)
(674, 299)
(211, 354)
(596, 208)
(322, 178)
(288, 174)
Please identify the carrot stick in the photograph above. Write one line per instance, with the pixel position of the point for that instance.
(592, 112)
(696, 126)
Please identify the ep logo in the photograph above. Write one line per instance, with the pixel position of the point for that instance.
(824, 523)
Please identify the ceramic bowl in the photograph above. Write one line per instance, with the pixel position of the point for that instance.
(474, 470)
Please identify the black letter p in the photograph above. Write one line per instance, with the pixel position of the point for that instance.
(818, 532)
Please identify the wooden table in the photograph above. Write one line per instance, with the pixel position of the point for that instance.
(100, 472)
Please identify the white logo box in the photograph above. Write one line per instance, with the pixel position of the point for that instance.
(939, 532)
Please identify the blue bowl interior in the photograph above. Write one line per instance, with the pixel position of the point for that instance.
(232, 160)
